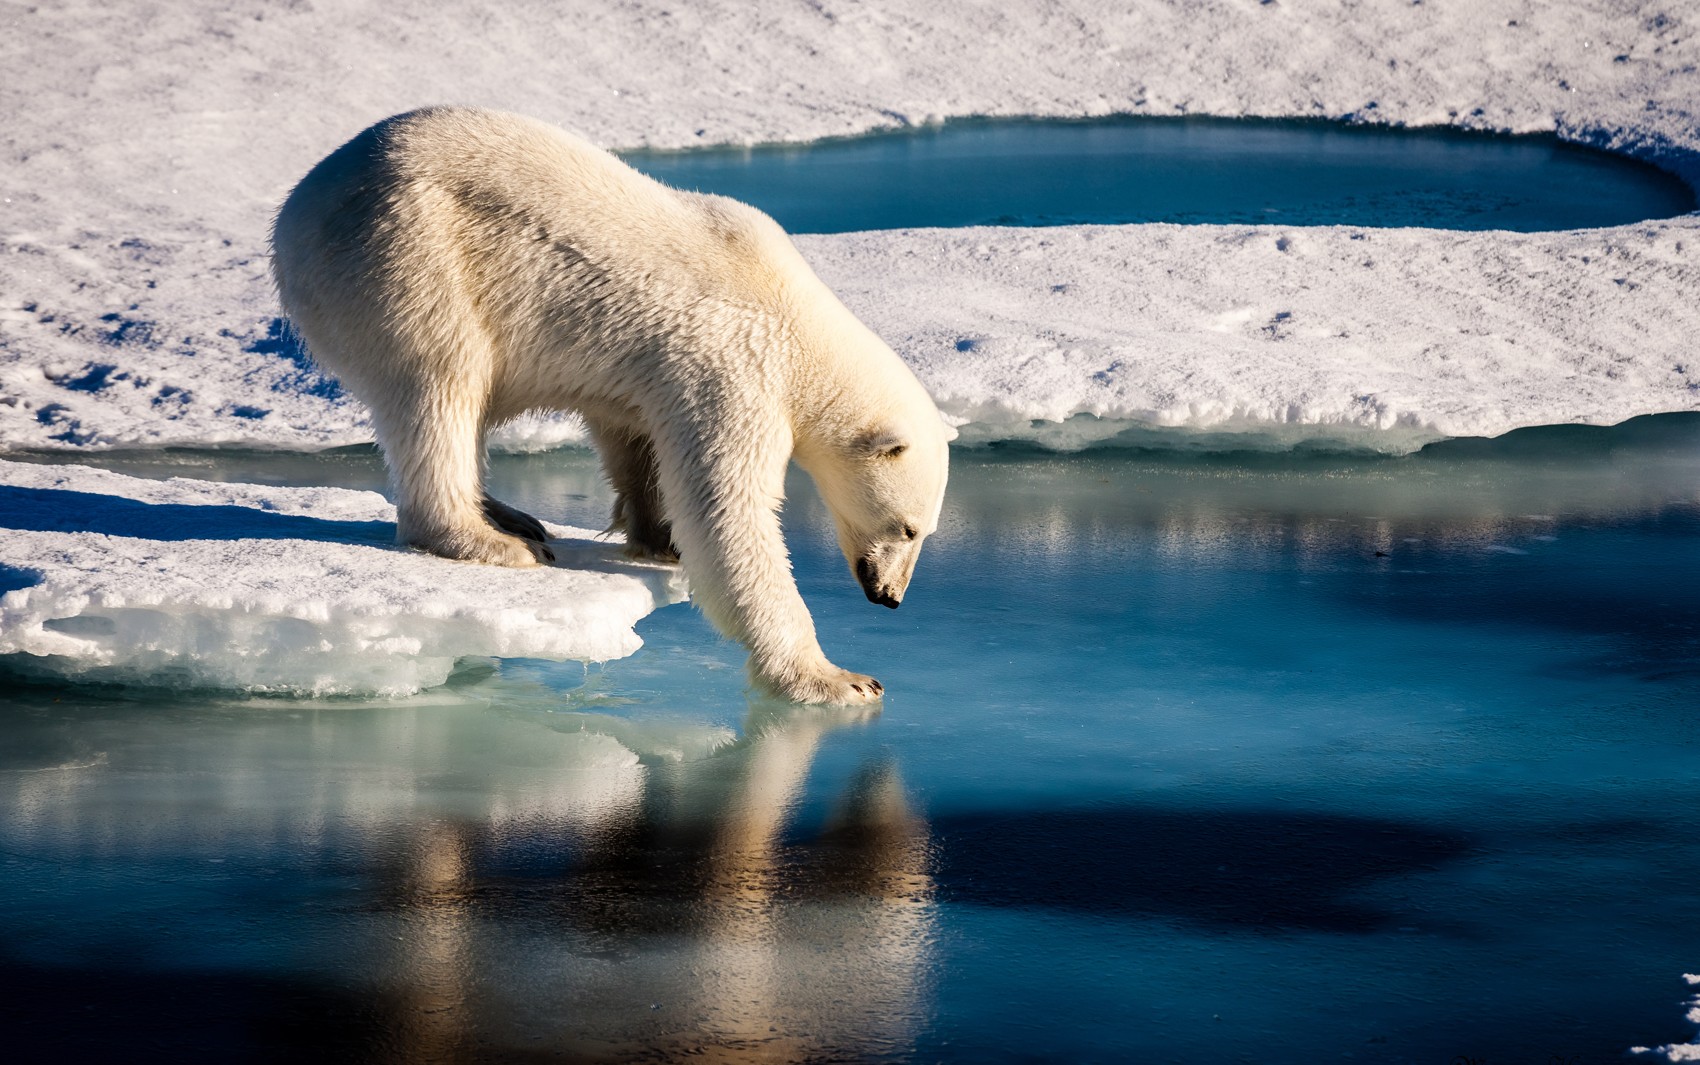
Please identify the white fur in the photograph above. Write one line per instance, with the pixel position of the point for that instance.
(457, 267)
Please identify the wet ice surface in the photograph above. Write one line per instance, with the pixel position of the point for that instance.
(1272, 758)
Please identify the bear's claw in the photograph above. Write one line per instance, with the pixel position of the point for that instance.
(512, 520)
(835, 686)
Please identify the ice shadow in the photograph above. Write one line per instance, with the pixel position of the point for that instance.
(12, 578)
(282, 342)
(65, 510)
(1248, 869)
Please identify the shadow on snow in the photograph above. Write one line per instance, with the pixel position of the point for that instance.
(64, 510)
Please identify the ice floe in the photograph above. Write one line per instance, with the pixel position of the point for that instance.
(290, 590)
(149, 144)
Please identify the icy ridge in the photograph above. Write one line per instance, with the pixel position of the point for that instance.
(290, 590)
(150, 143)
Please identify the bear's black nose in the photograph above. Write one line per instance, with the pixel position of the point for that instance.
(865, 576)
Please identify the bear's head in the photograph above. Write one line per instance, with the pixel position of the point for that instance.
(866, 430)
(885, 488)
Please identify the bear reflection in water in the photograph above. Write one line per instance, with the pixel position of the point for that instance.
(503, 884)
(688, 925)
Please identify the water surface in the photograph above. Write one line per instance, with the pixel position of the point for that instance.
(1028, 172)
(1185, 758)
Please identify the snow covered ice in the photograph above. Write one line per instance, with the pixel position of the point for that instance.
(136, 309)
(194, 583)
(1374, 338)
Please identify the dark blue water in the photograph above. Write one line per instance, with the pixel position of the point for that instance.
(1198, 759)
(1043, 173)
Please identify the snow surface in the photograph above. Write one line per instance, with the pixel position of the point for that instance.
(1679, 1051)
(293, 590)
(147, 144)
(1386, 338)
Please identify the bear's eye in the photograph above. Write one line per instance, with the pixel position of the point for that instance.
(896, 450)
(909, 532)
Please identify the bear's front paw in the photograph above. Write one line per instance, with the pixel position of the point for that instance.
(831, 685)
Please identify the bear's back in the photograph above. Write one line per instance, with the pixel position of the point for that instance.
(515, 196)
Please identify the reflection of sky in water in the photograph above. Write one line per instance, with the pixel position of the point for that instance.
(1184, 757)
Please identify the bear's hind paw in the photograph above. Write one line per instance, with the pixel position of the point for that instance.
(646, 553)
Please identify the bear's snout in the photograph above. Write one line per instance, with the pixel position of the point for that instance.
(871, 587)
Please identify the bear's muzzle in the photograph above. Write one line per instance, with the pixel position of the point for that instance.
(871, 586)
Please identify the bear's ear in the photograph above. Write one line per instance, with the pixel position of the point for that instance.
(881, 443)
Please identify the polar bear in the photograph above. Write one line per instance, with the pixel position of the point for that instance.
(456, 267)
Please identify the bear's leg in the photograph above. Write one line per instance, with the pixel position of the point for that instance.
(433, 444)
(629, 461)
(724, 505)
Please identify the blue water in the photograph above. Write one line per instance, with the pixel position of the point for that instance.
(1044, 173)
(1184, 758)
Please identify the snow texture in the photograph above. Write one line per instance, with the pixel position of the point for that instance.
(1378, 338)
(148, 143)
(292, 590)
(1679, 1051)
